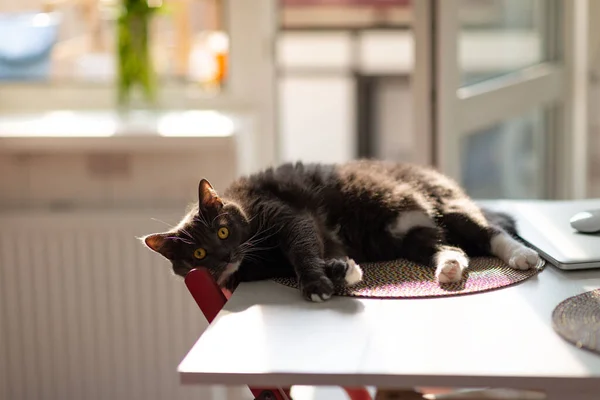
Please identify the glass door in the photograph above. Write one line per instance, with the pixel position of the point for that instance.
(507, 95)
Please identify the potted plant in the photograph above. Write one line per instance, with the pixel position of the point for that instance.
(135, 67)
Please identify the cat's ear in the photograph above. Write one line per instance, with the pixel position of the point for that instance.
(207, 196)
(161, 243)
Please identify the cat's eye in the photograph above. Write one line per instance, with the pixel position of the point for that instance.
(199, 253)
(223, 233)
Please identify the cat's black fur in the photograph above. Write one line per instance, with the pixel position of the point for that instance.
(308, 219)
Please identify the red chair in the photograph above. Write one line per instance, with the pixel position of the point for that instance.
(211, 299)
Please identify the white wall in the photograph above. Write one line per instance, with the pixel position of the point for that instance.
(394, 115)
(317, 93)
(317, 118)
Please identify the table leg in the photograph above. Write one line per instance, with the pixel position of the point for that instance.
(271, 394)
(398, 394)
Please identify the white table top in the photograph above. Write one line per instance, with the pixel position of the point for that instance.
(268, 335)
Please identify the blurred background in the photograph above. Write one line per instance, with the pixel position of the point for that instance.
(111, 111)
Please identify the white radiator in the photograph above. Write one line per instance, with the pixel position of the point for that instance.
(86, 312)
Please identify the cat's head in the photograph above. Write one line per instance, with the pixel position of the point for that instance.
(210, 235)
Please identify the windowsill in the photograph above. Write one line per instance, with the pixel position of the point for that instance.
(36, 97)
(60, 131)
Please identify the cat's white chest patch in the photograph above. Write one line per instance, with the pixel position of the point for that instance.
(409, 220)
(229, 269)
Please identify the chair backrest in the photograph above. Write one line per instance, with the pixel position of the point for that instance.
(205, 291)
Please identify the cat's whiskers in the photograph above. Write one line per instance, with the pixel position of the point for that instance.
(253, 257)
(201, 218)
(250, 249)
(180, 229)
(163, 222)
(262, 248)
(251, 243)
(251, 238)
(254, 247)
(261, 231)
(220, 215)
(188, 234)
(181, 239)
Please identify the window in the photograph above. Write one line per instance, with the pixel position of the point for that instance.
(69, 47)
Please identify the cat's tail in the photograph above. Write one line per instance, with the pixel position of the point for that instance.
(502, 220)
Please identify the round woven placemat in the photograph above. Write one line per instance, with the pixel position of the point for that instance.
(577, 319)
(404, 279)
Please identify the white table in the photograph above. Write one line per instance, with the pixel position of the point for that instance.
(268, 335)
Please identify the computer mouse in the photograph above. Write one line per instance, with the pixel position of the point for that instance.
(586, 221)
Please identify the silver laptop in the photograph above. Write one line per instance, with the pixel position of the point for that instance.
(545, 226)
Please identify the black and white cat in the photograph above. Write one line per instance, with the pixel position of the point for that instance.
(319, 222)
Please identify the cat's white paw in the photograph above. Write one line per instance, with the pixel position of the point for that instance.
(354, 273)
(317, 290)
(449, 271)
(514, 253)
(450, 265)
(524, 258)
(319, 298)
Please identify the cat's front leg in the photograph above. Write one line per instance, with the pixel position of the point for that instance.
(303, 246)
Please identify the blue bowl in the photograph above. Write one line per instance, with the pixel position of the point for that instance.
(26, 43)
